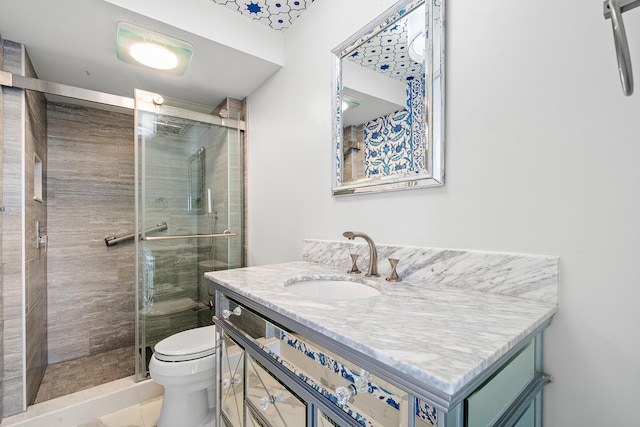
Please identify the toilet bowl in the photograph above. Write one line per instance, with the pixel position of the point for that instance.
(184, 364)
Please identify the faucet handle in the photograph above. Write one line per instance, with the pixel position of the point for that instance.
(354, 264)
(393, 276)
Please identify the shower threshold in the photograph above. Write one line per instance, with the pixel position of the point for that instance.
(86, 407)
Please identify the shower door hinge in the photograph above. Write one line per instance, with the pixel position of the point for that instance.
(3, 209)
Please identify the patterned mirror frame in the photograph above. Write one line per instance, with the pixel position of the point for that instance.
(423, 164)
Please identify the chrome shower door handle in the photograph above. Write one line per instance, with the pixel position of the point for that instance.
(622, 47)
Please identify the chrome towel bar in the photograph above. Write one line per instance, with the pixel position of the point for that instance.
(613, 9)
(113, 240)
(226, 233)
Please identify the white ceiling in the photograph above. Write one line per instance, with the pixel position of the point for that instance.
(73, 42)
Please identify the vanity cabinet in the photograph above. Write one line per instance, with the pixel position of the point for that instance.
(274, 371)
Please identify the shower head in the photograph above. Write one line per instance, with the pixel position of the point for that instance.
(167, 125)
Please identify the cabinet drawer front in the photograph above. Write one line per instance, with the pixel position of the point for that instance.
(369, 400)
(488, 402)
(232, 382)
(270, 400)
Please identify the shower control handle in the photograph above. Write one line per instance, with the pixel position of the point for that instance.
(41, 237)
(236, 311)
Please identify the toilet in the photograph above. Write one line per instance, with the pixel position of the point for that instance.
(184, 364)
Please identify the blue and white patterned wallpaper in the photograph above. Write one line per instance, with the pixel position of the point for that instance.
(394, 144)
(388, 54)
(278, 14)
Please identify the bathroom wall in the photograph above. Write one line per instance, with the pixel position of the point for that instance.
(542, 152)
(24, 282)
(90, 197)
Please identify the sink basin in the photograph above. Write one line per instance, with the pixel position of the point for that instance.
(336, 289)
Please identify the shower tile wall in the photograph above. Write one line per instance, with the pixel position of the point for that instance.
(224, 175)
(91, 196)
(227, 179)
(24, 297)
(13, 386)
(236, 197)
(1, 234)
(36, 257)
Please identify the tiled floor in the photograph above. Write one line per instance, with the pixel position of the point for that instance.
(69, 377)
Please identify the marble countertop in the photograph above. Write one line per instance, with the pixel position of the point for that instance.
(436, 334)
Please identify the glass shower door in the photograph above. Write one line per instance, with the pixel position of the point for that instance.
(189, 210)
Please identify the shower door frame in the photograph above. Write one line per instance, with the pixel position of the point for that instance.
(8, 79)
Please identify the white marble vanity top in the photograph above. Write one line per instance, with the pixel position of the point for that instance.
(438, 334)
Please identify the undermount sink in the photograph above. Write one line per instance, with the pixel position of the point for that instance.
(338, 289)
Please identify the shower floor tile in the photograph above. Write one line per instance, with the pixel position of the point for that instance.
(71, 376)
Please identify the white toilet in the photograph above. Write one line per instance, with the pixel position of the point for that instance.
(184, 364)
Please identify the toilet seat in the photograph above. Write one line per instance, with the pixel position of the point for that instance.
(187, 345)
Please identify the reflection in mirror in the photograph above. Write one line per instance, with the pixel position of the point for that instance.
(195, 182)
(389, 102)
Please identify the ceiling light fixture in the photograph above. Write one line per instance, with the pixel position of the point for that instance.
(416, 33)
(136, 45)
(349, 102)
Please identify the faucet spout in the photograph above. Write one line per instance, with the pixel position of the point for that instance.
(373, 253)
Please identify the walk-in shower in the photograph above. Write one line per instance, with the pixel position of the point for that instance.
(189, 177)
(141, 196)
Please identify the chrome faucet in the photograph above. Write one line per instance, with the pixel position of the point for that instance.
(373, 253)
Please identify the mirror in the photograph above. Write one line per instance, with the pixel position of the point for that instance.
(388, 108)
(195, 182)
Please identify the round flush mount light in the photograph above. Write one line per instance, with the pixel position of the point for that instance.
(154, 56)
(140, 46)
(416, 33)
(349, 102)
(417, 48)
